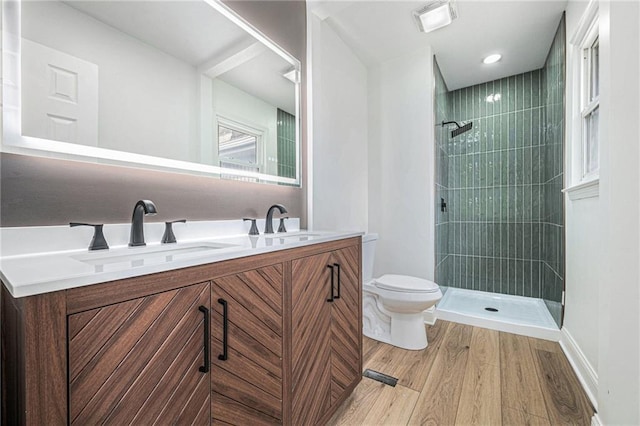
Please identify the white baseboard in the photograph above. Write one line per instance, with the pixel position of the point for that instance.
(430, 316)
(595, 420)
(587, 375)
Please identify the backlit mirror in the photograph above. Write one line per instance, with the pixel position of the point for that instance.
(178, 85)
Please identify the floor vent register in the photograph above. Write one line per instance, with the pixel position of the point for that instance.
(380, 377)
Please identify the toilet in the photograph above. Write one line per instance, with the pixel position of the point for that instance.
(393, 305)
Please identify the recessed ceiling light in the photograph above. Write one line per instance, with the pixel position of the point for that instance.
(492, 59)
(436, 14)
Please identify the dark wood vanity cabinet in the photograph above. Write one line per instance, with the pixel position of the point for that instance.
(141, 361)
(346, 325)
(326, 333)
(311, 338)
(247, 344)
(284, 344)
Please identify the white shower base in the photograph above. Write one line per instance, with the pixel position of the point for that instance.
(516, 314)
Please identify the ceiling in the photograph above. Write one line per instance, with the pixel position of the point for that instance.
(191, 31)
(263, 77)
(194, 32)
(520, 30)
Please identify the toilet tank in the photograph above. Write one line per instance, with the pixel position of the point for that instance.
(368, 255)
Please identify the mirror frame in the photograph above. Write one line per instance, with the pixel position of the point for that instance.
(14, 142)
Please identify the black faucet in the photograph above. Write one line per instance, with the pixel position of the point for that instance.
(268, 229)
(143, 208)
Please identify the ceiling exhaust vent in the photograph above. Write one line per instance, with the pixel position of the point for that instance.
(436, 14)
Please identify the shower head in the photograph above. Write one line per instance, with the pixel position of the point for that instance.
(460, 129)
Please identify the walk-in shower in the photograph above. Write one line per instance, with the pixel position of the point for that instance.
(502, 231)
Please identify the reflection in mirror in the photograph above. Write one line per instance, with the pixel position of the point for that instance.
(178, 84)
(238, 150)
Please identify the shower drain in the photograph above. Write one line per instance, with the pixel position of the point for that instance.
(491, 309)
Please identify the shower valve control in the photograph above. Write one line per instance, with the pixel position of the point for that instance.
(443, 205)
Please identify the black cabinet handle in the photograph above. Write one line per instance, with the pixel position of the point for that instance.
(337, 265)
(207, 339)
(330, 299)
(225, 330)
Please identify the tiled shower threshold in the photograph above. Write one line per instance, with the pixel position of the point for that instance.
(513, 314)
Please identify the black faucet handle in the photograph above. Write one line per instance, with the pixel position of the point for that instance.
(282, 228)
(169, 237)
(177, 221)
(98, 242)
(254, 227)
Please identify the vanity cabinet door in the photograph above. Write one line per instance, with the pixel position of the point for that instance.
(326, 338)
(247, 357)
(311, 338)
(141, 361)
(346, 323)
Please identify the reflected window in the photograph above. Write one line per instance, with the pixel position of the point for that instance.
(238, 149)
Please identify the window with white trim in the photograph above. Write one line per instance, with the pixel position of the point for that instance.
(590, 104)
(239, 148)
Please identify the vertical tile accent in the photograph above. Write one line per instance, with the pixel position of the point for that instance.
(445, 232)
(286, 144)
(498, 177)
(504, 229)
(552, 138)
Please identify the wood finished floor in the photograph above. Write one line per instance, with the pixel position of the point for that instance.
(468, 376)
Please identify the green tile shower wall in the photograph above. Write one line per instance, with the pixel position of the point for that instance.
(496, 187)
(286, 144)
(553, 213)
(442, 176)
(502, 181)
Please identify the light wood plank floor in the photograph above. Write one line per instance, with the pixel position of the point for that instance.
(468, 376)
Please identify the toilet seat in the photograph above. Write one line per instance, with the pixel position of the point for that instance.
(405, 283)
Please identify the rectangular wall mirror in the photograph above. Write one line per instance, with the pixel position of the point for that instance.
(185, 85)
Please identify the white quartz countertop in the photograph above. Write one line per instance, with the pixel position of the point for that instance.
(29, 274)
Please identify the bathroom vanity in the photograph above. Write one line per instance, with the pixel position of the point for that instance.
(266, 335)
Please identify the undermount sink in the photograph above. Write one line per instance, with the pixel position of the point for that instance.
(151, 254)
(300, 235)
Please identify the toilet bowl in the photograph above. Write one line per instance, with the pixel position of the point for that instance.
(393, 305)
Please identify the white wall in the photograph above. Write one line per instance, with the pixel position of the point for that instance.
(162, 86)
(619, 292)
(340, 141)
(582, 225)
(583, 260)
(401, 164)
(603, 234)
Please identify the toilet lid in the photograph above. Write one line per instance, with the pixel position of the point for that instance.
(406, 283)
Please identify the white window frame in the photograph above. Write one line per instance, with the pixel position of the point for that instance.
(582, 184)
(588, 104)
(248, 129)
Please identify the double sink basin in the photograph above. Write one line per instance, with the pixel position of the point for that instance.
(141, 256)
